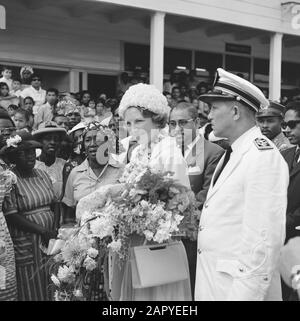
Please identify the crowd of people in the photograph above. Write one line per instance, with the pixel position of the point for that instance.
(53, 154)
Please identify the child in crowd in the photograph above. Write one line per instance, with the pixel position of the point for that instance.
(22, 120)
(12, 111)
(6, 76)
(5, 98)
(16, 87)
(28, 104)
(100, 111)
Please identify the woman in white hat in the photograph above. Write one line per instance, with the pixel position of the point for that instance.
(145, 112)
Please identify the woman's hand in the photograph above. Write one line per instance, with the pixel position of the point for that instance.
(47, 235)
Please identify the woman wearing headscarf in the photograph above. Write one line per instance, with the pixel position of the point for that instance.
(29, 217)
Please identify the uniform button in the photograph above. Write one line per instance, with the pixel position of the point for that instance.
(201, 228)
(199, 251)
(206, 205)
(266, 278)
(241, 269)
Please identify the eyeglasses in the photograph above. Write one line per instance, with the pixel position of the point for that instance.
(291, 124)
(181, 123)
(36, 79)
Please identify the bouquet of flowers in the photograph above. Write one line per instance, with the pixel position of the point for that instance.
(151, 205)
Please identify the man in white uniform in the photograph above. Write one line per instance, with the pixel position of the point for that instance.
(242, 226)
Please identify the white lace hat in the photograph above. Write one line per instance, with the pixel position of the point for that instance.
(144, 96)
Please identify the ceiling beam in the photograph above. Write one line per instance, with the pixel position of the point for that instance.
(220, 29)
(79, 10)
(121, 15)
(246, 35)
(189, 25)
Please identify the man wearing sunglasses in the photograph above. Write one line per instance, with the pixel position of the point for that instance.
(270, 121)
(242, 225)
(36, 92)
(201, 156)
(291, 125)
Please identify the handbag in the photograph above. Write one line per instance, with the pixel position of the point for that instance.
(154, 265)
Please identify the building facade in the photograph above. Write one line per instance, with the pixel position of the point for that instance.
(80, 44)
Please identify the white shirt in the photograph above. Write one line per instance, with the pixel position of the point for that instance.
(39, 96)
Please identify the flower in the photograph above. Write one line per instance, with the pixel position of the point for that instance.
(55, 280)
(65, 274)
(115, 245)
(78, 293)
(149, 235)
(101, 227)
(90, 264)
(13, 141)
(92, 252)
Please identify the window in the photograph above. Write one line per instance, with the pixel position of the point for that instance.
(261, 70)
(208, 60)
(176, 57)
(136, 57)
(238, 65)
(290, 73)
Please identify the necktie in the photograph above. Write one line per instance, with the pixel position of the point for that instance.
(296, 157)
(226, 159)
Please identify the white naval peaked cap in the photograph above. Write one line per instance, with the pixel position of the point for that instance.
(228, 86)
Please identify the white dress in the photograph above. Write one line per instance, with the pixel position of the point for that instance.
(164, 156)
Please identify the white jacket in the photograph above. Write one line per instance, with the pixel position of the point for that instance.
(242, 226)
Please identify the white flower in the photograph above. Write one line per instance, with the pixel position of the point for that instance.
(65, 274)
(92, 252)
(55, 280)
(77, 293)
(101, 227)
(149, 235)
(13, 141)
(90, 264)
(144, 204)
(115, 245)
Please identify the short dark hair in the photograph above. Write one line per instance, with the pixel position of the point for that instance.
(17, 79)
(35, 75)
(12, 106)
(23, 112)
(295, 106)
(52, 90)
(3, 84)
(29, 97)
(192, 111)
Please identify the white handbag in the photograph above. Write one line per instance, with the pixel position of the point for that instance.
(154, 265)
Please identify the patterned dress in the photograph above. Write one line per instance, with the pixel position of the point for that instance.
(7, 260)
(31, 197)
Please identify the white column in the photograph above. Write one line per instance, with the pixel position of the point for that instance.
(84, 80)
(275, 66)
(2, 18)
(157, 39)
(74, 81)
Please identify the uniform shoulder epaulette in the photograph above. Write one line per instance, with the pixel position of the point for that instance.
(262, 144)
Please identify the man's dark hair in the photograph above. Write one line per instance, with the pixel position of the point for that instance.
(295, 106)
(52, 90)
(192, 111)
(35, 75)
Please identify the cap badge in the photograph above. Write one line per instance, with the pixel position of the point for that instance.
(262, 144)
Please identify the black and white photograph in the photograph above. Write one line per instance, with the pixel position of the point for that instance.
(149, 153)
